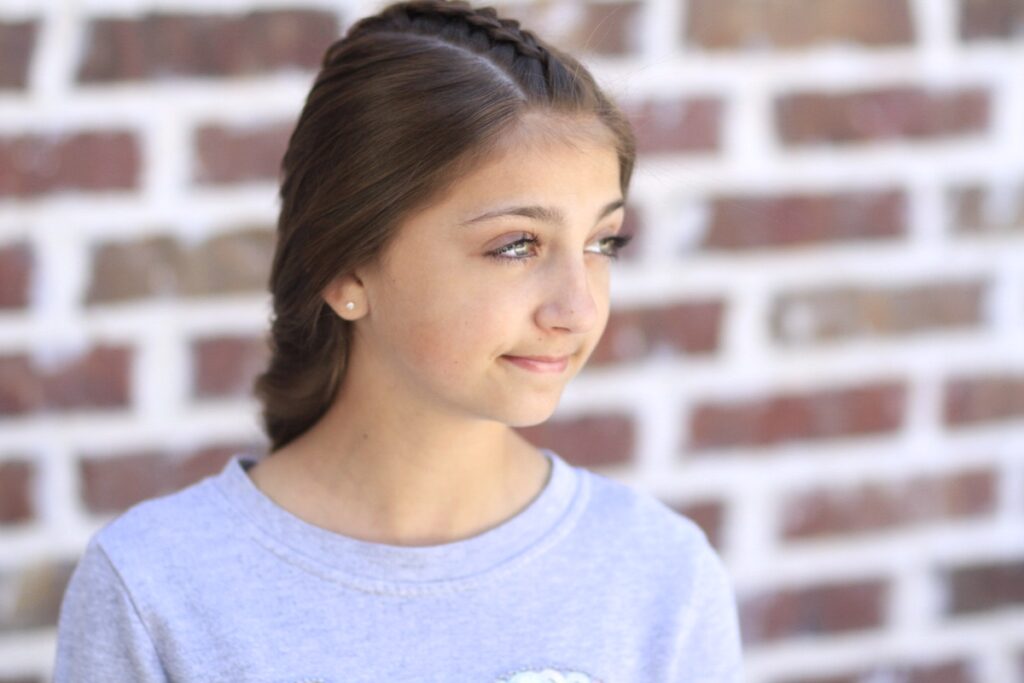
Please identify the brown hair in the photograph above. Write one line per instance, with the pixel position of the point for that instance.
(404, 104)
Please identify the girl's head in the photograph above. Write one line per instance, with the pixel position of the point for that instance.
(422, 118)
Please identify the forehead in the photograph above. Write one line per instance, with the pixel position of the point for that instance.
(539, 135)
(544, 129)
(544, 155)
(551, 162)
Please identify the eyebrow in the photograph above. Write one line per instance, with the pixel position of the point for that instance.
(547, 214)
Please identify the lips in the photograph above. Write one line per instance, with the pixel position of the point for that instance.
(540, 363)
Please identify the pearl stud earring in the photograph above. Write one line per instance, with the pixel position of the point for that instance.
(350, 305)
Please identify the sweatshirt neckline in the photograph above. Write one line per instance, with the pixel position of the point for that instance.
(379, 566)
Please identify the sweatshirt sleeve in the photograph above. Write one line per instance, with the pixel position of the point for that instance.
(100, 636)
(714, 645)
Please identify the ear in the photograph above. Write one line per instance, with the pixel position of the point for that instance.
(344, 290)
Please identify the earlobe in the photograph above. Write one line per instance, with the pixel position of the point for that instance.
(344, 295)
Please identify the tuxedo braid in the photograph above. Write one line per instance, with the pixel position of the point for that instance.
(454, 21)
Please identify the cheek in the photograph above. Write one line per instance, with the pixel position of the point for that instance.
(598, 333)
(444, 335)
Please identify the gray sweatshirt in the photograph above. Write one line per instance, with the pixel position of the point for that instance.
(593, 581)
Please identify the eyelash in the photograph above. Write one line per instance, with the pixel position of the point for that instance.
(617, 242)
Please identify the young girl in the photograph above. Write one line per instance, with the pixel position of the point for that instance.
(452, 198)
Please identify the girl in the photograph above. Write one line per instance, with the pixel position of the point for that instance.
(452, 197)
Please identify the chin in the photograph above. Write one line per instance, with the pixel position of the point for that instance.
(517, 424)
(529, 415)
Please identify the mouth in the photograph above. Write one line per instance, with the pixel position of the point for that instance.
(551, 364)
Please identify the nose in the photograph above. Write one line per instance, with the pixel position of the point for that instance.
(570, 302)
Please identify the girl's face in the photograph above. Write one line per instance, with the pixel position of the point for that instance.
(514, 262)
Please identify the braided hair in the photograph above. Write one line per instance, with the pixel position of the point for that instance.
(405, 103)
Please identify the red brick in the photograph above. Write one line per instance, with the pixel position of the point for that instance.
(969, 400)
(112, 484)
(210, 459)
(161, 46)
(984, 587)
(235, 262)
(32, 165)
(122, 271)
(231, 155)
(100, 378)
(708, 515)
(16, 499)
(228, 263)
(984, 19)
(15, 273)
(844, 312)
(813, 611)
(946, 672)
(609, 28)
(884, 114)
(951, 672)
(868, 409)
(873, 507)
(21, 387)
(757, 222)
(96, 379)
(692, 328)
(851, 678)
(589, 441)
(978, 210)
(742, 24)
(606, 28)
(227, 366)
(33, 596)
(17, 42)
(676, 126)
(115, 483)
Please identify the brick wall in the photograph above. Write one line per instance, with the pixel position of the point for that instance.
(817, 342)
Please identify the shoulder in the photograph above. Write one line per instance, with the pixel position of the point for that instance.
(159, 533)
(638, 524)
(665, 569)
(648, 557)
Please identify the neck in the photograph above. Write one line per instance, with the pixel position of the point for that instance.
(403, 477)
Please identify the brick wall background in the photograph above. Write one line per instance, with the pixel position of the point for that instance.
(817, 342)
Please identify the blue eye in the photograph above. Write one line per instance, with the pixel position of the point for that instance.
(615, 243)
(511, 252)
